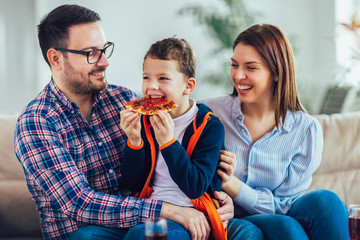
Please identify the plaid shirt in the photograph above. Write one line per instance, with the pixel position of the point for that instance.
(72, 167)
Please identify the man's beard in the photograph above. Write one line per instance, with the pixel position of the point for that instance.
(79, 84)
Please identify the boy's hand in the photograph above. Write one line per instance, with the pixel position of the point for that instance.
(163, 126)
(130, 124)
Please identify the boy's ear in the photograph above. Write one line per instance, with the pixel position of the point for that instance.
(55, 59)
(190, 86)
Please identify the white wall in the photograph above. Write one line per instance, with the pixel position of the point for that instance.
(310, 25)
(135, 25)
(18, 70)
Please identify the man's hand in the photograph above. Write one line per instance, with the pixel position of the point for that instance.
(163, 126)
(130, 124)
(226, 210)
(191, 219)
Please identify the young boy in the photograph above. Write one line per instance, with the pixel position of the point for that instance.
(173, 156)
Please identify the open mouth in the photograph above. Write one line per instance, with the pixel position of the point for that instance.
(245, 87)
(156, 96)
(98, 74)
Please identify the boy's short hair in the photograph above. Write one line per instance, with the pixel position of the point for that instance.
(53, 29)
(175, 49)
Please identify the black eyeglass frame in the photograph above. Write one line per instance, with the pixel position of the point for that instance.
(87, 53)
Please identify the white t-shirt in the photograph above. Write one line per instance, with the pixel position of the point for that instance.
(164, 187)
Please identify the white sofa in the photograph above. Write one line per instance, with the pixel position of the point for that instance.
(339, 172)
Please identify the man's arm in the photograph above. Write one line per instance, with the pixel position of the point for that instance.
(51, 168)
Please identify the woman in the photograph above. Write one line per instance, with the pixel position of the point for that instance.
(274, 145)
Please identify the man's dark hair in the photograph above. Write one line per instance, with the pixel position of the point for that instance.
(53, 30)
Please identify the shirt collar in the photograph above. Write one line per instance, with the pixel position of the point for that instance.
(289, 121)
(237, 114)
(63, 99)
(236, 109)
(59, 95)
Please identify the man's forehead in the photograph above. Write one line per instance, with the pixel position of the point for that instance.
(86, 35)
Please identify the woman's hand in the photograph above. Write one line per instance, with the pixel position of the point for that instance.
(130, 124)
(227, 165)
(226, 210)
(163, 126)
(226, 168)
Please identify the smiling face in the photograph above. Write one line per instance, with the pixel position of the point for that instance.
(78, 76)
(251, 75)
(161, 78)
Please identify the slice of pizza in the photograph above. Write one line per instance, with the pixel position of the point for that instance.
(150, 106)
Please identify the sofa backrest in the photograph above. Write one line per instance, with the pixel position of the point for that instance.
(339, 170)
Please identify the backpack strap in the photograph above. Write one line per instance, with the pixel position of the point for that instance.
(147, 190)
(197, 132)
(205, 203)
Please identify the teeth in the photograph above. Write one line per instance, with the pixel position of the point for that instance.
(244, 87)
(156, 96)
(99, 74)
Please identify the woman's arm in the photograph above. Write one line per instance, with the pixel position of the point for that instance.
(305, 160)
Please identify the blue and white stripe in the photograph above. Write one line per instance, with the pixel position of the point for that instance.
(277, 168)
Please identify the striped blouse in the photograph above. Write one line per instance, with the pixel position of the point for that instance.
(276, 169)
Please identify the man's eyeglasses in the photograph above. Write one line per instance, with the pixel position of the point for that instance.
(93, 56)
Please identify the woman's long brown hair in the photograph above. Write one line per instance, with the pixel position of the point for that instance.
(272, 44)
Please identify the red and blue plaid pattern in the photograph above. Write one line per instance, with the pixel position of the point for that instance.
(72, 167)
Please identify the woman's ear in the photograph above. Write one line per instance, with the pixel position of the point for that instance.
(55, 59)
(190, 86)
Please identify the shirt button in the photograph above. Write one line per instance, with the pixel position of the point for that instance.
(93, 115)
(100, 144)
(111, 171)
(243, 130)
(72, 111)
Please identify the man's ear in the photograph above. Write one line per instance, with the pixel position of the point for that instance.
(190, 86)
(55, 59)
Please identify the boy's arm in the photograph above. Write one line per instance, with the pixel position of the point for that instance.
(133, 167)
(195, 176)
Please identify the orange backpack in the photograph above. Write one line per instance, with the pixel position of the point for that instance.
(205, 203)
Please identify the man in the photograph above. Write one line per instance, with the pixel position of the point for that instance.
(70, 144)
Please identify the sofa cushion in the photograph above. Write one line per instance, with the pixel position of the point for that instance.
(18, 216)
